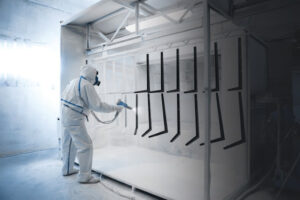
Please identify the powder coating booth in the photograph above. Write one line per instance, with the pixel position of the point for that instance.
(151, 55)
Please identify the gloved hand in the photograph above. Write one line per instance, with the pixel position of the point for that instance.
(119, 108)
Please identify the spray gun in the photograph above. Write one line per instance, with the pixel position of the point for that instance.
(121, 103)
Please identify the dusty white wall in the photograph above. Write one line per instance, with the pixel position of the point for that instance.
(29, 111)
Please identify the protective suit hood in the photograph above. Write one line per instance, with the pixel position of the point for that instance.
(89, 73)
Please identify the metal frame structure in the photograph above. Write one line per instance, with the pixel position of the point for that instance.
(138, 8)
(207, 87)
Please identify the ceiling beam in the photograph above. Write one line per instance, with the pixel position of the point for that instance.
(131, 7)
(120, 26)
(159, 12)
(106, 39)
(110, 15)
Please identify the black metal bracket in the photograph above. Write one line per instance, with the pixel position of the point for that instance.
(162, 85)
(196, 122)
(149, 117)
(141, 91)
(222, 134)
(178, 120)
(177, 74)
(240, 74)
(136, 114)
(147, 75)
(195, 73)
(243, 134)
(164, 117)
(216, 58)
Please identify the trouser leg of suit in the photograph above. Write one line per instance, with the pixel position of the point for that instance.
(84, 146)
(68, 151)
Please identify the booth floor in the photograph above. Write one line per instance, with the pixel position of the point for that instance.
(161, 174)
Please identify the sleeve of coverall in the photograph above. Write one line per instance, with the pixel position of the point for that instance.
(95, 103)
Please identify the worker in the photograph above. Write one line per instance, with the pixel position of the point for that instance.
(78, 98)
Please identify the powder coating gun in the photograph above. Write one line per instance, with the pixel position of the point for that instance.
(121, 103)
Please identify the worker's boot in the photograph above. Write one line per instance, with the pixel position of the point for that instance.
(91, 179)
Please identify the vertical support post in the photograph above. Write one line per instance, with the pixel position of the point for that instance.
(216, 57)
(125, 112)
(177, 70)
(136, 113)
(162, 72)
(88, 36)
(148, 73)
(137, 10)
(207, 99)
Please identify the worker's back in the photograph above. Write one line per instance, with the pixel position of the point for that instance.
(72, 102)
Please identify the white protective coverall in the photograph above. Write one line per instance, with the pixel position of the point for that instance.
(78, 98)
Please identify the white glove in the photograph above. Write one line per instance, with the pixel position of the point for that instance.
(119, 108)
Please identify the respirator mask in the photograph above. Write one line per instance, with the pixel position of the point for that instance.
(97, 82)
